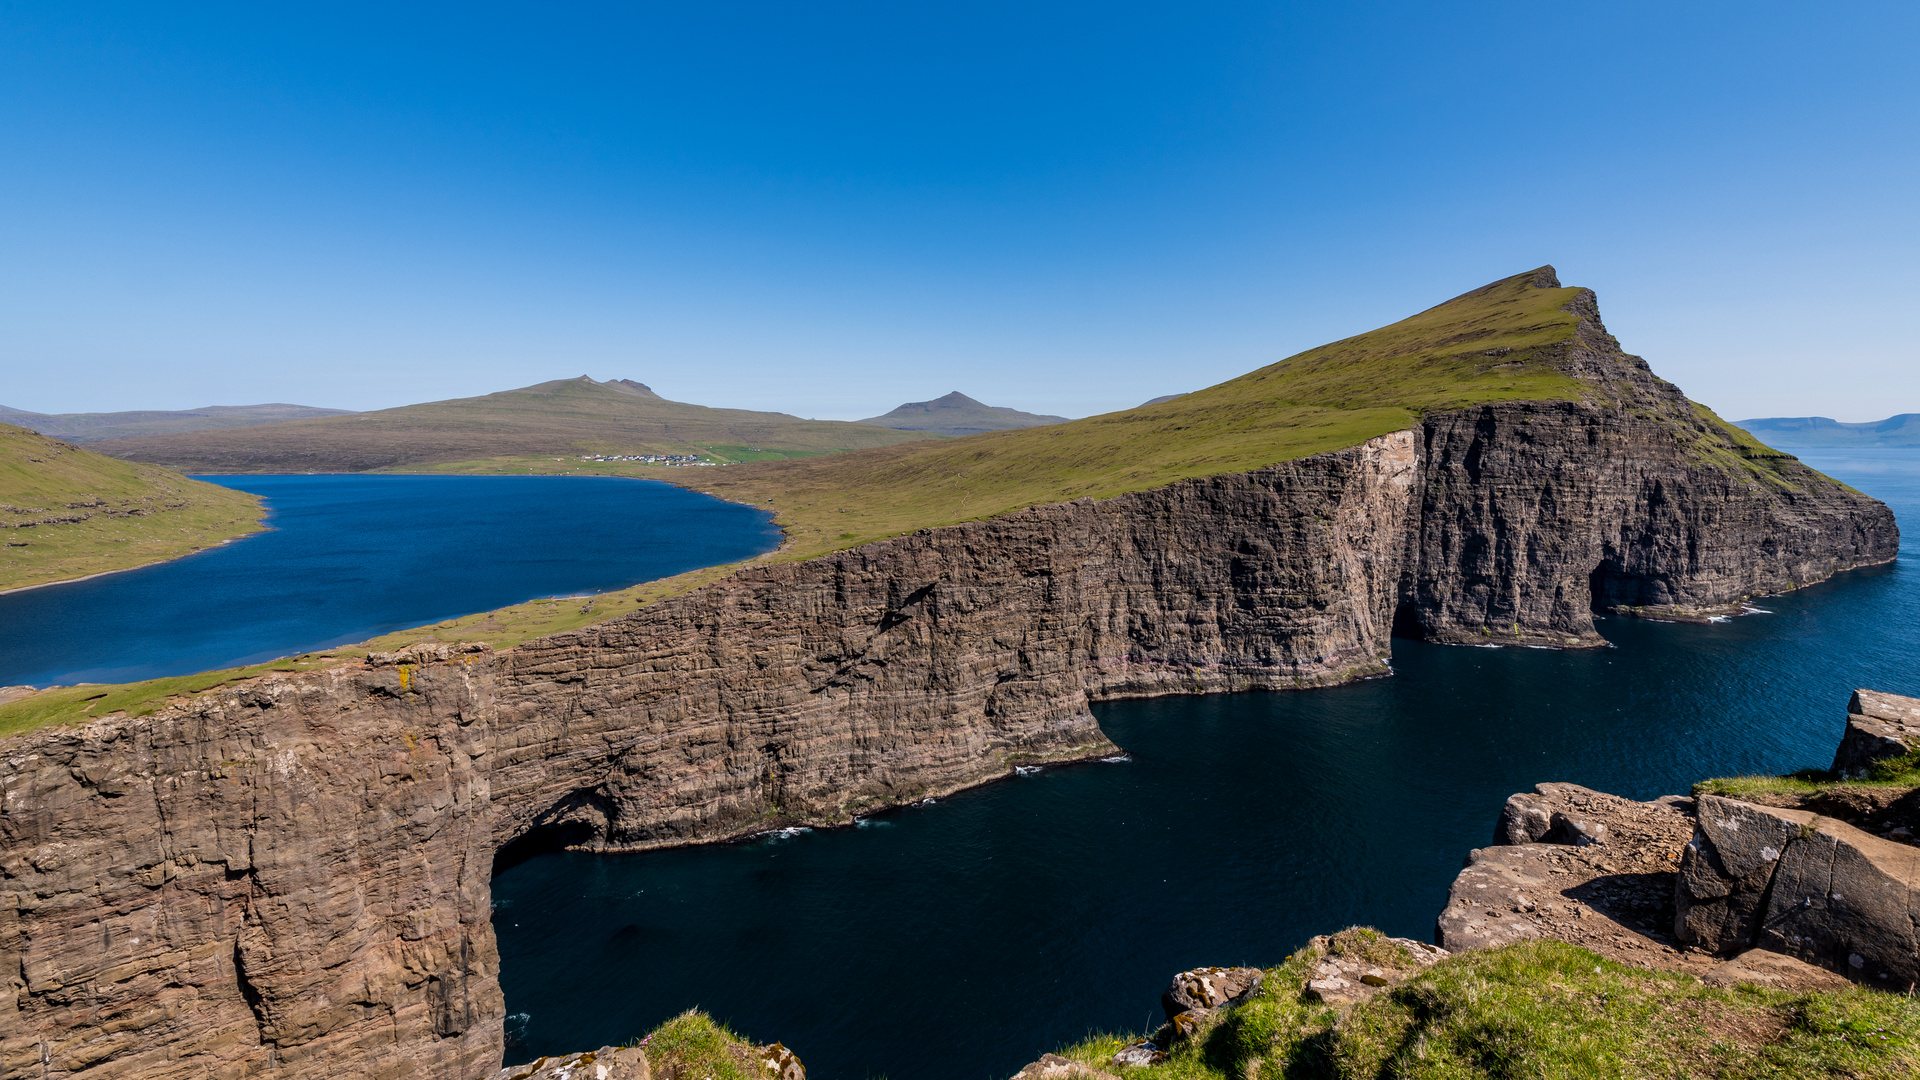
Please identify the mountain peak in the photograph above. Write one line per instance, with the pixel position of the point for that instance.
(957, 415)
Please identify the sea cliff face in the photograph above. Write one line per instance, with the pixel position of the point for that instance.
(290, 877)
(912, 667)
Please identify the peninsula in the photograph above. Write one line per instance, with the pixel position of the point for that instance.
(289, 872)
(67, 512)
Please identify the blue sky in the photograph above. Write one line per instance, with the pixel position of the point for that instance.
(828, 209)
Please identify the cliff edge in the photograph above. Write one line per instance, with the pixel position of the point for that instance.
(290, 875)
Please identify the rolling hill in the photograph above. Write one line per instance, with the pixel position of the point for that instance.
(67, 512)
(957, 415)
(94, 427)
(564, 418)
(1810, 432)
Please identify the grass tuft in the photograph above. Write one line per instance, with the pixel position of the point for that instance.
(1544, 1009)
(695, 1046)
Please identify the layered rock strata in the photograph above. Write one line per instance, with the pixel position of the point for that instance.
(290, 876)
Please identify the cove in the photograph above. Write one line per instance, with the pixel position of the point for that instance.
(349, 557)
(964, 938)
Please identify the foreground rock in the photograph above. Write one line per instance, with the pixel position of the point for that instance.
(1793, 882)
(606, 1063)
(1879, 726)
(1577, 865)
(291, 876)
(1352, 966)
(1610, 875)
(1055, 1067)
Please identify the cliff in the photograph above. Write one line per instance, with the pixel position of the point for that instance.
(290, 875)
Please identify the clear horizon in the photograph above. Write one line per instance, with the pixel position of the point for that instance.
(1062, 209)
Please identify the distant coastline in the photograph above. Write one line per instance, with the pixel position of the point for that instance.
(1811, 432)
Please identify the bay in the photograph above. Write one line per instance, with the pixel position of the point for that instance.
(965, 938)
(349, 557)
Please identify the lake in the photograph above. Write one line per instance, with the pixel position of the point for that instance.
(347, 558)
(965, 938)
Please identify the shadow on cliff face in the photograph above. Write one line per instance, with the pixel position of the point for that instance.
(1612, 588)
(538, 841)
(1406, 622)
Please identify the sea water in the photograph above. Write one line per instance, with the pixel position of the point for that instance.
(346, 558)
(965, 938)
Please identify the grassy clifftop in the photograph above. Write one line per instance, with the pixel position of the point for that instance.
(498, 432)
(1540, 1009)
(67, 513)
(1502, 342)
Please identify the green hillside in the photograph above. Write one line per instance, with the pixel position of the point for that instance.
(94, 427)
(506, 431)
(66, 512)
(1502, 342)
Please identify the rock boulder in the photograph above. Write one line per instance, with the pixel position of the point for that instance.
(1809, 887)
(1878, 726)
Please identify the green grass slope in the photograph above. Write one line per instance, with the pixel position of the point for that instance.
(1542, 1010)
(1502, 342)
(68, 513)
(500, 432)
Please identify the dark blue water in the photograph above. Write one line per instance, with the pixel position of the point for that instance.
(347, 558)
(963, 939)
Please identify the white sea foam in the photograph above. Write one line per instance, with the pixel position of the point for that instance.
(1026, 770)
(1118, 759)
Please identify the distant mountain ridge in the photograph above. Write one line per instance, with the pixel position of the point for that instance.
(565, 418)
(957, 415)
(1808, 432)
(94, 427)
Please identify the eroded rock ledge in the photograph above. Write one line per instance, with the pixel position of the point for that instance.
(291, 876)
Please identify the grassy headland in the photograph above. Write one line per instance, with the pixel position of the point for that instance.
(69, 513)
(1497, 343)
(1541, 1009)
(562, 419)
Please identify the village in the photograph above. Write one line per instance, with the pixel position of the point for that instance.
(653, 459)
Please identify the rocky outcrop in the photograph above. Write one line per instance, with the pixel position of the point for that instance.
(606, 1063)
(1879, 726)
(1349, 968)
(1575, 865)
(1796, 883)
(290, 876)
